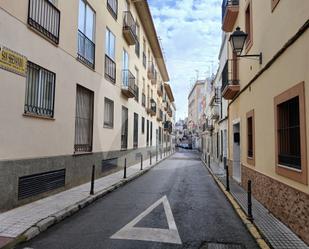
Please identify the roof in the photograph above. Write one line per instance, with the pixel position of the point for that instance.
(169, 92)
(143, 10)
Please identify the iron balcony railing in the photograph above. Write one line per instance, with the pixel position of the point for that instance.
(153, 105)
(86, 50)
(44, 17)
(110, 69)
(144, 60)
(228, 76)
(128, 80)
(129, 23)
(226, 4)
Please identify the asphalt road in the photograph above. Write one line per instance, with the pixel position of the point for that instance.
(175, 205)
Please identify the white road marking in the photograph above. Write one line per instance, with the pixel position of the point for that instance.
(170, 235)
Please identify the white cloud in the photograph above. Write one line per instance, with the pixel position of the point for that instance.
(191, 36)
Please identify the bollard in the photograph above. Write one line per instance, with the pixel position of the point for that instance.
(150, 158)
(205, 158)
(92, 180)
(141, 162)
(227, 188)
(250, 216)
(125, 169)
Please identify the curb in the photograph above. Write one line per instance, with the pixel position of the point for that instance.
(251, 227)
(53, 219)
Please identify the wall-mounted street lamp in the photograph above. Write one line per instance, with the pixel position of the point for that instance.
(237, 40)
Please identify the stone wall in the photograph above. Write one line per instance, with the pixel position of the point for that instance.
(286, 203)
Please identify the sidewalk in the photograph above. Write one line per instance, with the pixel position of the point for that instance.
(25, 222)
(278, 235)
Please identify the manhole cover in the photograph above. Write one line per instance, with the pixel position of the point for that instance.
(221, 246)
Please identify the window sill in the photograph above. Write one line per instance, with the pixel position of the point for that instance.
(108, 127)
(91, 67)
(289, 168)
(31, 115)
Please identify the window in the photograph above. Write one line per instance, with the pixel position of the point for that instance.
(110, 44)
(147, 134)
(83, 120)
(143, 125)
(112, 6)
(144, 53)
(137, 45)
(40, 91)
(124, 128)
(108, 113)
(44, 17)
(248, 25)
(135, 131)
(290, 124)
(137, 85)
(250, 138)
(110, 65)
(86, 28)
(274, 3)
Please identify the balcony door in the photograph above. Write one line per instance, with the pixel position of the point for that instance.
(125, 67)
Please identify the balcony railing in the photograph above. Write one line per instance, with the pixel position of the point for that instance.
(151, 70)
(230, 9)
(129, 28)
(128, 83)
(144, 60)
(215, 112)
(160, 89)
(110, 69)
(230, 83)
(160, 115)
(152, 107)
(170, 112)
(44, 17)
(86, 50)
(168, 126)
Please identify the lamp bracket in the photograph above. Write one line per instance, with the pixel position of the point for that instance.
(253, 55)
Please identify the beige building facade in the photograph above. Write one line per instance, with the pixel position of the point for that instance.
(268, 105)
(82, 83)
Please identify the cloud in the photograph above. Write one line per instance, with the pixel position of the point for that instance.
(190, 31)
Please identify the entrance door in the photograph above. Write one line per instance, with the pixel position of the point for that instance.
(236, 152)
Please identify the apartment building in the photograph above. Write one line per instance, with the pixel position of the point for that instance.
(266, 83)
(83, 83)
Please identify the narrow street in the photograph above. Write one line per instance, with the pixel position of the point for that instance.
(175, 205)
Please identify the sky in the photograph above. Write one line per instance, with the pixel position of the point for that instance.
(190, 35)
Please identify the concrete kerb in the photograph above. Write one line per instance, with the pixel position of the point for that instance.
(51, 220)
(251, 227)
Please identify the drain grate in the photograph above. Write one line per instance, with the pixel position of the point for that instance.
(221, 246)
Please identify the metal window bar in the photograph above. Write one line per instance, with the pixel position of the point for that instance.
(83, 120)
(129, 23)
(86, 50)
(112, 6)
(289, 151)
(110, 69)
(44, 17)
(40, 91)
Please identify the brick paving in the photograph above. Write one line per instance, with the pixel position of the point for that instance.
(278, 235)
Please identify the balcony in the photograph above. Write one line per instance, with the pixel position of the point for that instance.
(160, 90)
(155, 78)
(152, 107)
(128, 84)
(44, 17)
(129, 28)
(86, 50)
(168, 126)
(151, 70)
(215, 113)
(230, 9)
(110, 69)
(230, 84)
(160, 115)
(170, 112)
